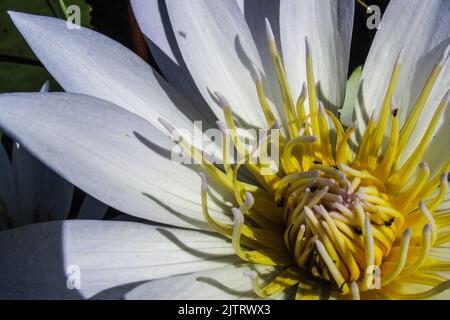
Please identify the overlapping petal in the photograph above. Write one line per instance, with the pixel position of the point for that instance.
(86, 62)
(218, 49)
(100, 259)
(112, 154)
(328, 26)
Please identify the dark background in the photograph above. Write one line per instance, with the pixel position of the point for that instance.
(21, 71)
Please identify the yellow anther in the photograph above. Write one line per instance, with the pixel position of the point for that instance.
(355, 291)
(426, 246)
(423, 208)
(401, 260)
(337, 276)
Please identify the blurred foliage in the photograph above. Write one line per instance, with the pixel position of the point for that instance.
(20, 70)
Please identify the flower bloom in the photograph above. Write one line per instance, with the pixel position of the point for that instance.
(351, 213)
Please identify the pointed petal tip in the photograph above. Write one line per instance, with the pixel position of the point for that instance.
(20, 18)
(446, 98)
(400, 56)
(307, 47)
(256, 74)
(444, 56)
(321, 108)
(223, 102)
(269, 31)
(45, 87)
(13, 14)
(304, 91)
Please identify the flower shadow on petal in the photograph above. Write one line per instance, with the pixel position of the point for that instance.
(195, 252)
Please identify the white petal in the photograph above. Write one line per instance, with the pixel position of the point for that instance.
(153, 20)
(216, 45)
(328, 26)
(219, 284)
(421, 29)
(92, 209)
(110, 257)
(112, 154)
(241, 4)
(86, 62)
(43, 195)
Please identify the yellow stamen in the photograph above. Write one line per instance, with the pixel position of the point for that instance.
(355, 291)
(413, 117)
(283, 82)
(407, 168)
(404, 245)
(431, 221)
(283, 281)
(340, 281)
(426, 246)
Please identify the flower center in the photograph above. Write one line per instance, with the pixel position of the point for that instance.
(340, 215)
(335, 206)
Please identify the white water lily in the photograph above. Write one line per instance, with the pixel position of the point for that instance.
(354, 207)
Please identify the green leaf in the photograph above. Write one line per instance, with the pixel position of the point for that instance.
(351, 93)
(20, 70)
